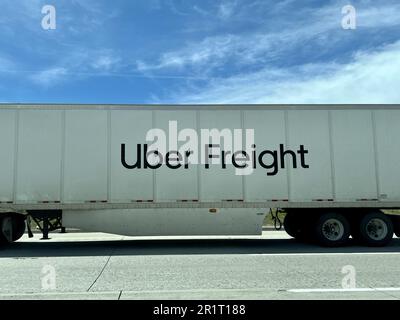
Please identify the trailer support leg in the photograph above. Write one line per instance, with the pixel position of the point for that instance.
(45, 229)
(47, 221)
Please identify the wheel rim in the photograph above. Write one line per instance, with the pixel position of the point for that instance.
(333, 230)
(377, 229)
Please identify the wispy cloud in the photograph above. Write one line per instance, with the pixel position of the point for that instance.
(193, 54)
(81, 64)
(226, 9)
(372, 77)
(322, 27)
(49, 77)
(105, 62)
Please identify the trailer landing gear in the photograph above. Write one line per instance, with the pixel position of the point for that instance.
(47, 221)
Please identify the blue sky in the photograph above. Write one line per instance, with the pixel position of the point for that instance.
(185, 51)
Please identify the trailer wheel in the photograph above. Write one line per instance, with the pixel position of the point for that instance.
(375, 229)
(5, 229)
(297, 225)
(19, 227)
(291, 225)
(12, 228)
(354, 219)
(332, 229)
(396, 224)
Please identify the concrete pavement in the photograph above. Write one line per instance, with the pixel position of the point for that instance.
(271, 266)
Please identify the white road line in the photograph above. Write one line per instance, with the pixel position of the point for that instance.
(342, 290)
(325, 254)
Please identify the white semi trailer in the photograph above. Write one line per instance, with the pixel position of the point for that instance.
(201, 170)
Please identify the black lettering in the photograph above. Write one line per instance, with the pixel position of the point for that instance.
(302, 153)
(138, 163)
(254, 156)
(224, 155)
(147, 153)
(178, 159)
(283, 153)
(245, 157)
(187, 155)
(273, 165)
(210, 155)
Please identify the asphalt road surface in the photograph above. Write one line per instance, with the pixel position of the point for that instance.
(272, 266)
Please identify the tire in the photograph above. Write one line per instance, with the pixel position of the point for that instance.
(396, 224)
(375, 229)
(18, 228)
(291, 225)
(331, 230)
(297, 224)
(354, 219)
(4, 229)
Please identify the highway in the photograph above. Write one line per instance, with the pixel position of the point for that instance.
(271, 266)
